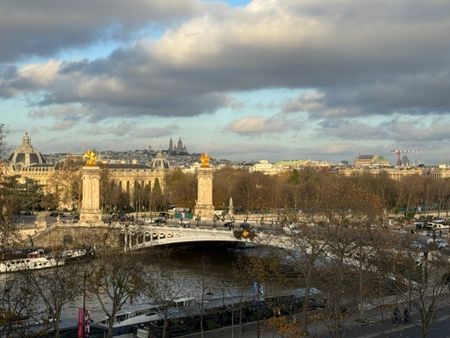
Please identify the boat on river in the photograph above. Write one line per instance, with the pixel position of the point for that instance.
(183, 314)
(38, 259)
(33, 261)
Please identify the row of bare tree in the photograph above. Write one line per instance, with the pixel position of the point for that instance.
(299, 190)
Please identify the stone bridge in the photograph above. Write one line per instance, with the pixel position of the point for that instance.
(134, 237)
(140, 237)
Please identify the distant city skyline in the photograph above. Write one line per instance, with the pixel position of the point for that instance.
(240, 79)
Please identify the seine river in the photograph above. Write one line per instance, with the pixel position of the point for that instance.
(184, 263)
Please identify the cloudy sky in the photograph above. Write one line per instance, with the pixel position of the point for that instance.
(240, 79)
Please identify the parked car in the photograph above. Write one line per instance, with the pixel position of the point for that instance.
(419, 225)
(164, 214)
(228, 224)
(160, 220)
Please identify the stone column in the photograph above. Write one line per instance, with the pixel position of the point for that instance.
(90, 204)
(204, 206)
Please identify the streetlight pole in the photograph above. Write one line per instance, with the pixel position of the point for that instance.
(84, 302)
(257, 304)
(223, 307)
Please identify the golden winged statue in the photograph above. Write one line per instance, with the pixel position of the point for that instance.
(91, 157)
(204, 159)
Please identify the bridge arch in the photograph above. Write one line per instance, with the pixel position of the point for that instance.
(137, 238)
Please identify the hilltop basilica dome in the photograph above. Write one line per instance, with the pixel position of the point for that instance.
(25, 155)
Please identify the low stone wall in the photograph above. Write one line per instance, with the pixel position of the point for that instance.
(76, 235)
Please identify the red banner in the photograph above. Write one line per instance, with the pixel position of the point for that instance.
(80, 323)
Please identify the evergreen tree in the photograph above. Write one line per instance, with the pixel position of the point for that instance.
(158, 199)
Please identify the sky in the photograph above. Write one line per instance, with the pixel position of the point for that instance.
(242, 80)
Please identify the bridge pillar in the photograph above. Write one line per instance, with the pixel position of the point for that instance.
(90, 206)
(204, 207)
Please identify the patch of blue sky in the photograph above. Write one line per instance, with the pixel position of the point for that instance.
(91, 52)
(269, 97)
(238, 2)
(13, 111)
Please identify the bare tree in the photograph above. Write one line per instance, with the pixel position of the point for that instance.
(203, 265)
(164, 287)
(120, 278)
(18, 306)
(17, 301)
(180, 188)
(419, 278)
(243, 278)
(66, 182)
(308, 246)
(55, 288)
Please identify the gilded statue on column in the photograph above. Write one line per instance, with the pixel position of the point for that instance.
(91, 157)
(204, 160)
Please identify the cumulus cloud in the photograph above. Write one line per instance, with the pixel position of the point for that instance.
(398, 130)
(28, 78)
(125, 129)
(70, 112)
(259, 125)
(65, 116)
(47, 26)
(62, 125)
(356, 58)
(411, 94)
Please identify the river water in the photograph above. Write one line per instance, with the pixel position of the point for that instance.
(184, 263)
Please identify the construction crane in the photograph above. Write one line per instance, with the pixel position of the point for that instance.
(398, 152)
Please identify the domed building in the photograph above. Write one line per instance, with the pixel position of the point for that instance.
(160, 162)
(25, 155)
(27, 162)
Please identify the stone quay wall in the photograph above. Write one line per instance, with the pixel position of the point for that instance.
(76, 235)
